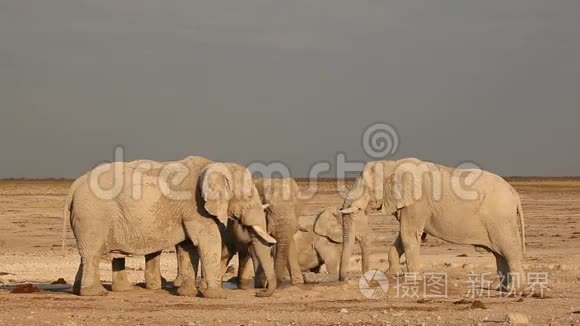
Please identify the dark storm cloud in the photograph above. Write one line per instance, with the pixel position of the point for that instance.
(496, 82)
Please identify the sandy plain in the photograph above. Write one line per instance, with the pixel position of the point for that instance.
(30, 237)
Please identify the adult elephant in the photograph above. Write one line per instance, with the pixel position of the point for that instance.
(142, 207)
(282, 207)
(463, 206)
(281, 197)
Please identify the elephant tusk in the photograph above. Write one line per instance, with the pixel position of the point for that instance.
(264, 235)
(349, 210)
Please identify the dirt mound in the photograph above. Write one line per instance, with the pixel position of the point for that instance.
(59, 281)
(25, 288)
(477, 305)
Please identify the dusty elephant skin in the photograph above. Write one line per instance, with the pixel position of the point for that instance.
(320, 242)
(145, 216)
(426, 197)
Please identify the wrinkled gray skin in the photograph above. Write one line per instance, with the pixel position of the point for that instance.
(432, 198)
(158, 205)
(320, 239)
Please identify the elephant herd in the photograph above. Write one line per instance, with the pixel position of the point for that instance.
(211, 211)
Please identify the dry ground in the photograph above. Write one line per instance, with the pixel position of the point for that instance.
(30, 235)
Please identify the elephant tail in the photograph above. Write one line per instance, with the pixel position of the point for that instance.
(67, 212)
(522, 224)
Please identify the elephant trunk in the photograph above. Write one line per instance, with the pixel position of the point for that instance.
(347, 244)
(263, 255)
(280, 228)
(283, 234)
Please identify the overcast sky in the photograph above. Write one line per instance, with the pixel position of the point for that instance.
(492, 81)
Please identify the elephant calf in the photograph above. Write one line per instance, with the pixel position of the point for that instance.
(319, 242)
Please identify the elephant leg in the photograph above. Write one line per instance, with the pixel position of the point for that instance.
(395, 253)
(293, 265)
(227, 255)
(410, 233)
(120, 280)
(187, 264)
(505, 241)
(209, 248)
(244, 269)
(179, 278)
(516, 277)
(78, 279)
(90, 279)
(331, 268)
(153, 271)
(331, 259)
(503, 271)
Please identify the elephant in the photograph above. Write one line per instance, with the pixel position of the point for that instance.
(280, 198)
(427, 197)
(142, 207)
(320, 238)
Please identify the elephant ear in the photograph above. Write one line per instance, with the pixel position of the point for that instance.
(328, 225)
(403, 187)
(216, 190)
(297, 198)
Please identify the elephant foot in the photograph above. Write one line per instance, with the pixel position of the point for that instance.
(511, 286)
(498, 285)
(395, 272)
(178, 281)
(244, 284)
(122, 287)
(187, 290)
(260, 283)
(265, 293)
(153, 285)
(202, 284)
(330, 278)
(298, 280)
(284, 285)
(95, 290)
(76, 289)
(213, 293)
